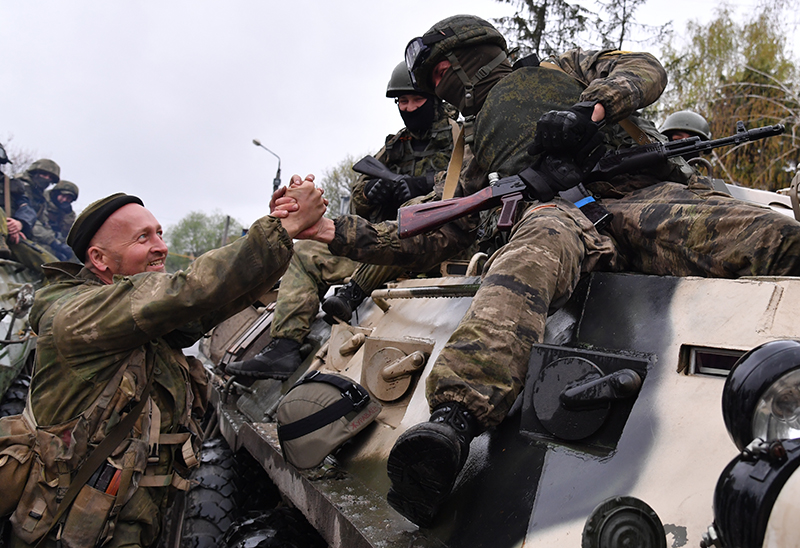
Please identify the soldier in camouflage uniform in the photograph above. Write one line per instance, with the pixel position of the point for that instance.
(110, 331)
(666, 221)
(16, 229)
(40, 175)
(419, 150)
(53, 224)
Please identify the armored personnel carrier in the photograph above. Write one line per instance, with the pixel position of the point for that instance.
(658, 412)
(17, 341)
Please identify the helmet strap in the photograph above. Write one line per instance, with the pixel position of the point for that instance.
(483, 72)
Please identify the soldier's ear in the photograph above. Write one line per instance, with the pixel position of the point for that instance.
(98, 262)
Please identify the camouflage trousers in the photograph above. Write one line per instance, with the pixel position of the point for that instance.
(664, 229)
(30, 254)
(311, 272)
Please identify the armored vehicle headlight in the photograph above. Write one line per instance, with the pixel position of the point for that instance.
(761, 398)
(777, 414)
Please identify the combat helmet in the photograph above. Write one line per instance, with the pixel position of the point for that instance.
(425, 52)
(688, 121)
(65, 187)
(48, 166)
(400, 82)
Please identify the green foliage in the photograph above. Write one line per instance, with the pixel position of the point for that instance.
(550, 27)
(195, 234)
(731, 71)
(337, 182)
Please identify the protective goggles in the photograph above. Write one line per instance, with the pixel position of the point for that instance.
(419, 49)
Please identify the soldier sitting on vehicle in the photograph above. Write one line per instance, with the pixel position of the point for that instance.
(420, 150)
(110, 333)
(684, 124)
(544, 120)
(16, 226)
(54, 222)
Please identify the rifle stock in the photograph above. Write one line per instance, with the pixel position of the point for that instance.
(369, 165)
(418, 218)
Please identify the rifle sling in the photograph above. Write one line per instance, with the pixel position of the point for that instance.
(101, 452)
(454, 166)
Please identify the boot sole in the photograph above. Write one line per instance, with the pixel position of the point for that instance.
(423, 467)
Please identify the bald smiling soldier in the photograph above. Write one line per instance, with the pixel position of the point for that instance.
(110, 337)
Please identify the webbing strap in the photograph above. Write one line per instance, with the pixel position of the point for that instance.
(454, 166)
(101, 452)
(321, 418)
(354, 397)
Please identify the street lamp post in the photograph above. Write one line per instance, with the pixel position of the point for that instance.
(276, 182)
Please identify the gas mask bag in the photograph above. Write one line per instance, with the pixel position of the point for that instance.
(318, 414)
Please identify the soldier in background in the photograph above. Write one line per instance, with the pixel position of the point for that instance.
(37, 178)
(16, 226)
(419, 150)
(55, 220)
(684, 124)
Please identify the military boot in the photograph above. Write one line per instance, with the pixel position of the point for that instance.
(426, 459)
(278, 360)
(344, 301)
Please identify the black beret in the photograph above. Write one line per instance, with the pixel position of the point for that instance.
(92, 218)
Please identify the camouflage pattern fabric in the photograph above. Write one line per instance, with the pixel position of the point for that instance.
(87, 330)
(25, 251)
(312, 270)
(53, 224)
(660, 227)
(370, 277)
(399, 156)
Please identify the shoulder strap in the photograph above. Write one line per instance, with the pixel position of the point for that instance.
(102, 452)
(454, 167)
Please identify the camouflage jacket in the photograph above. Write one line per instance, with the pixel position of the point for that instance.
(399, 156)
(21, 208)
(504, 128)
(89, 330)
(53, 223)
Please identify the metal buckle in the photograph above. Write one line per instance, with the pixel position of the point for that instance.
(360, 399)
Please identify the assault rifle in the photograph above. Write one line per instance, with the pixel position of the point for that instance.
(369, 165)
(509, 191)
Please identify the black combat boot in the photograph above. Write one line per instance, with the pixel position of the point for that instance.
(344, 301)
(278, 360)
(426, 460)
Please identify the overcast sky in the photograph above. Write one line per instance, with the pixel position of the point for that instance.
(162, 99)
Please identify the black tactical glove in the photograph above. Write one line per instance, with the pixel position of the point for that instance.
(568, 132)
(553, 174)
(379, 191)
(61, 250)
(411, 187)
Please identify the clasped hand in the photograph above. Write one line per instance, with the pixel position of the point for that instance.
(300, 207)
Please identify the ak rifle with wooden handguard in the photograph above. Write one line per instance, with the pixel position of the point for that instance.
(509, 191)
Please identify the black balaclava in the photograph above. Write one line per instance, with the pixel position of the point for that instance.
(421, 119)
(472, 59)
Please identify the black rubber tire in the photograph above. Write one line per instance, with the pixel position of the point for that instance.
(256, 491)
(211, 503)
(277, 528)
(13, 402)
